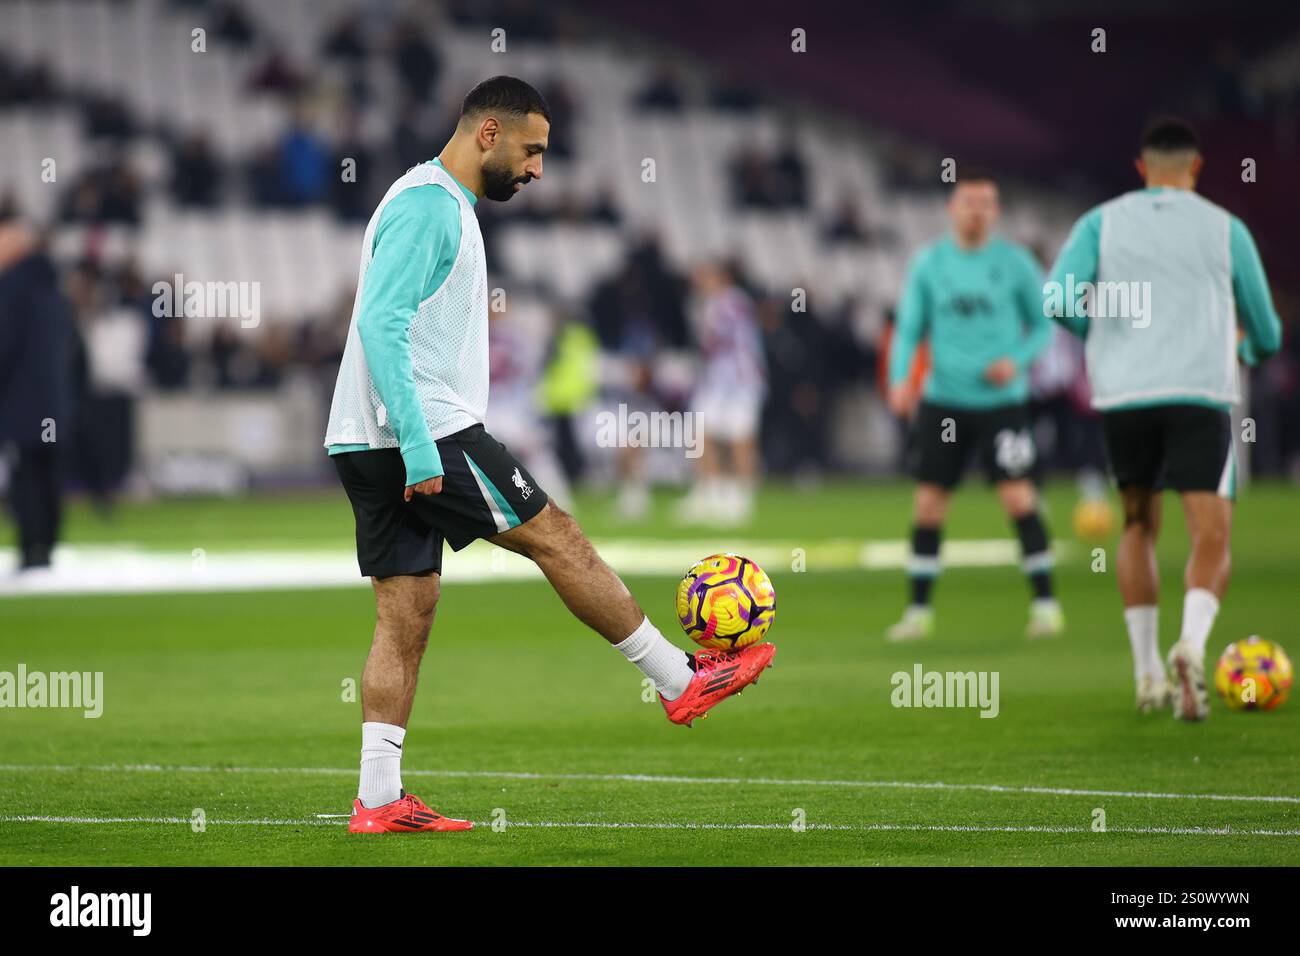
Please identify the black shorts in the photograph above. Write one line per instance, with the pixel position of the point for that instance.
(1184, 447)
(944, 438)
(484, 491)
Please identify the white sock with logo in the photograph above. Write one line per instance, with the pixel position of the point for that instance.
(1144, 636)
(1199, 610)
(381, 764)
(661, 661)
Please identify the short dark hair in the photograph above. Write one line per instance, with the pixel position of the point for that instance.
(1169, 134)
(974, 174)
(504, 94)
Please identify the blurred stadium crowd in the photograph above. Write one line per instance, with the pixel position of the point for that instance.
(137, 156)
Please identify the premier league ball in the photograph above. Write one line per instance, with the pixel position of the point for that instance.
(1094, 520)
(725, 601)
(1253, 674)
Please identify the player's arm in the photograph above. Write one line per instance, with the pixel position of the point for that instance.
(910, 325)
(1078, 258)
(407, 242)
(1255, 312)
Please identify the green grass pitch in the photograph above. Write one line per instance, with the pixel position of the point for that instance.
(232, 704)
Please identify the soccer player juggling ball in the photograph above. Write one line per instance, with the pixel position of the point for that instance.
(978, 299)
(406, 435)
(1163, 372)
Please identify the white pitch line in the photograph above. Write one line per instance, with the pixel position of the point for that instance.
(34, 818)
(659, 778)
(127, 568)
(603, 825)
(908, 827)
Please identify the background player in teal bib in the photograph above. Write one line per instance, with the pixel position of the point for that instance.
(978, 299)
(1168, 291)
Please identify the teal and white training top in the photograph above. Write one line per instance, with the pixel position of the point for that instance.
(976, 306)
(415, 367)
(1184, 274)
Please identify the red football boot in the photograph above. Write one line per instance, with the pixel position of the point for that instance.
(718, 675)
(407, 814)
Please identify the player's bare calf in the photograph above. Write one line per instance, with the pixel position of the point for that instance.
(688, 687)
(585, 583)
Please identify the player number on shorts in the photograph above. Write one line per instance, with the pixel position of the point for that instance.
(1014, 450)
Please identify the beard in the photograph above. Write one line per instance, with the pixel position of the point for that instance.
(499, 182)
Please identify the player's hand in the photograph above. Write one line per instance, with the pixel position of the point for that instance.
(430, 486)
(902, 400)
(1001, 371)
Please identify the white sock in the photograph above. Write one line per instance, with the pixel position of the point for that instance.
(1199, 609)
(381, 764)
(1144, 636)
(662, 662)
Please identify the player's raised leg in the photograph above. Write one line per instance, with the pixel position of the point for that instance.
(929, 508)
(1139, 588)
(1020, 502)
(1209, 525)
(688, 686)
(405, 606)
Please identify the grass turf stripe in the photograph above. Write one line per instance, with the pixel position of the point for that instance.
(691, 825)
